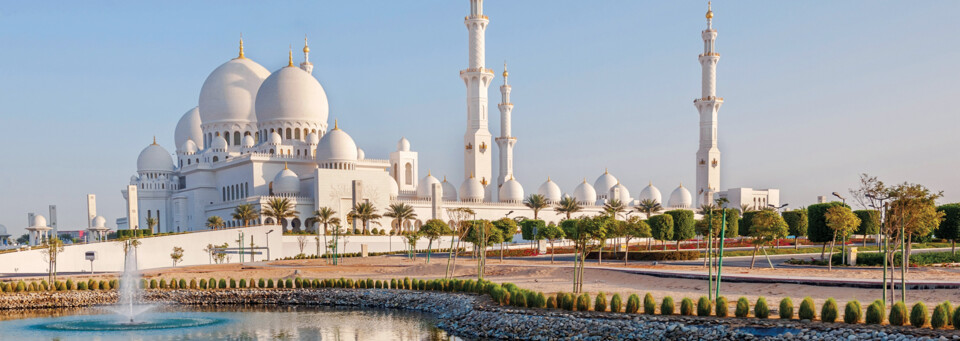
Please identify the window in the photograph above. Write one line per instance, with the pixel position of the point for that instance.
(408, 170)
(236, 138)
(296, 134)
(215, 159)
(288, 134)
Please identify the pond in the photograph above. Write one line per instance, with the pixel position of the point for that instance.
(223, 323)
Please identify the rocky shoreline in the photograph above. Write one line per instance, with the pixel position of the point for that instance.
(473, 316)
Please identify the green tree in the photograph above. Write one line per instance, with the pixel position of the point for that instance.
(215, 222)
(767, 226)
(842, 222)
(869, 223)
(551, 233)
(535, 202)
(245, 213)
(459, 216)
(912, 211)
(648, 207)
(683, 225)
(401, 213)
(634, 227)
(817, 229)
(151, 223)
(797, 225)
(661, 227)
(613, 208)
(949, 228)
(583, 232)
(507, 228)
(324, 216)
(280, 209)
(365, 212)
(432, 230)
(481, 233)
(177, 255)
(529, 228)
(567, 206)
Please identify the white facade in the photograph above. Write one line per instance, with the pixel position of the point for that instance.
(756, 199)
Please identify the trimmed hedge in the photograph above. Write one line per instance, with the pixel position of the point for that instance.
(918, 315)
(704, 306)
(633, 304)
(807, 309)
(852, 312)
(760, 310)
(649, 305)
(786, 308)
(898, 314)
(817, 229)
(829, 311)
(796, 222)
(722, 307)
(743, 307)
(666, 307)
(686, 307)
(616, 303)
(684, 224)
(875, 313)
(649, 255)
(940, 317)
(600, 304)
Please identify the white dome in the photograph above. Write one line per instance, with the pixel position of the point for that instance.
(286, 182)
(292, 95)
(680, 198)
(219, 144)
(154, 158)
(313, 138)
(248, 141)
(39, 221)
(360, 154)
(403, 145)
(624, 194)
(550, 191)
(394, 188)
(3, 231)
(134, 179)
(99, 221)
(604, 183)
(228, 94)
(511, 191)
(275, 138)
(449, 191)
(585, 194)
(337, 145)
(471, 190)
(188, 128)
(423, 188)
(189, 147)
(650, 192)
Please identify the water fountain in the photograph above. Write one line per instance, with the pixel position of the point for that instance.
(130, 288)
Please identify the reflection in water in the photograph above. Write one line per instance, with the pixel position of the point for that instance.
(245, 323)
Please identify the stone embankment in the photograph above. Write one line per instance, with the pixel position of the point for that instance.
(473, 316)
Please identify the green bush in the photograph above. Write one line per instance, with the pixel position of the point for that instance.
(163, 284)
(955, 318)
(289, 284)
(650, 255)
(600, 303)
(616, 303)
(583, 302)
(203, 283)
(829, 311)
(875, 313)
(704, 306)
(807, 309)
(722, 307)
(633, 304)
(81, 286)
(948, 308)
(243, 283)
(898, 314)
(918, 315)
(521, 300)
(940, 317)
(786, 309)
(817, 229)
(369, 283)
(406, 283)
(683, 224)
(71, 285)
(280, 284)
(270, 283)
(666, 307)
(378, 284)
(393, 283)
(91, 284)
(223, 283)
(541, 301)
(796, 222)
(174, 284)
(298, 282)
(212, 282)
(743, 307)
(193, 283)
(649, 305)
(153, 284)
(686, 307)
(568, 302)
(661, 227)
(552, 302)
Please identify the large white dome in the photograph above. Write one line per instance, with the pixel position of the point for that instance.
(449, 191)
(424, 190)
(393, 187)
(550, 191)
(39, 221)
(228, 94)
(624, 196)
(99, 221)
(337, 145)
(511, 191)
(604, 183)
(650, 192)
(585, 194)
(471, 190)
(154, 158)
(292, 95)
(680, 198)
(286, 182)
(188, 128)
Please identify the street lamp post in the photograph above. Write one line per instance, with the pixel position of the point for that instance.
(881, 234)
(267, 236)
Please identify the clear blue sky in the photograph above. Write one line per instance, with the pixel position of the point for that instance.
(816, 91)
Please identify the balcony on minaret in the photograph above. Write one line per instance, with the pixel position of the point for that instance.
(479, 69)
(712, 54)
(709, 98)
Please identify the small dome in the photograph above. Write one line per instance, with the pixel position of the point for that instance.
(189, 147)
(624, 195)
(134, 179)
(229, 92)
(403, 145)
(650, 192)
(219, 144)
(188, 128)
(275, 138)
(154, 158)
(604, 183)
(360, 154)
(39, 221)
(471, 190)
(550, 191)
(585, 194)
(393, 187)
(511, 191)
(248, 141)
(449, 191)
(99, 221)
(337, 145)
(313, 139)
(424, 187)
(292, 95)
(680, 198)
(286, 182)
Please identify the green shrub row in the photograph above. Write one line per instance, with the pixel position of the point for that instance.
(69, 284)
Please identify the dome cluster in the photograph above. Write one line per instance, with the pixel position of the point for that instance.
(607, 188)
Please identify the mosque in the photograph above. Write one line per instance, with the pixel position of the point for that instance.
(256, 135)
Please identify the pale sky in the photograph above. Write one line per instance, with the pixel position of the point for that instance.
(816, 92)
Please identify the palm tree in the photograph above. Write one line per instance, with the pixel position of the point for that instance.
(649, 207)
(745, 208)
(245, 213)
(151, 222)
(324, 216)
(280, 209)
(365, 211)
(613, 208)
(568, 206)
(536, 202)
(400, 212)
(215, 222)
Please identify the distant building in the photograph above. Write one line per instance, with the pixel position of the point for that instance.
(754, 198)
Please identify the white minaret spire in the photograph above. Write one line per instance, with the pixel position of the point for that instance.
(306, 66)
(506, 139)
(476, 77)
(708, 156)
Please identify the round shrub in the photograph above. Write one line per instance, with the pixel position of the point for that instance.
(521, 300)
(940, 318)
(212, 282)
(551, 302)
(70, 285)
(568, 302)
(948, 307)
(261, 283)
(542, 300)
(743, 307)
(633, 304)
(918, 315)
(163, 284)
(203, 283)
(92, 284)
(649, 305)
(21, 287)
(315, 283)
(280, 284)
(43, 285)
(786, 309)
(369, 283)
(686, 306)
(406, 283)
(289, 284)
(852, 312)
(666, 307)
(193, 283)
(81, 286)
(955, 318)
(722, 307)
(828, 313)
(898, 314)
(807, 309)
(174, 284)
(104, 285)
(223, 284)
(393, 283)
(583, 302)
(875, 313)
(704, 306)
(378, 284)
(243, 283)
(600, 303)
(233, 283)
(153, 284)
(298, 282)
(616, 303)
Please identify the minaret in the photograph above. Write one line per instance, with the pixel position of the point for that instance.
(306, 66)
(506, 139)
(477, 78)
(708, 156)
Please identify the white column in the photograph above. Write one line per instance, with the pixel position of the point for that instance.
(708, 155)
(476, 78)
(506, 141)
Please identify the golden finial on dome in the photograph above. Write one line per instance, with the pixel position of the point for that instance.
(290, 56)
(605, 171)
(505, 73)
(584, 180)
(285, 166)
(336, 125)
(471, 175)
(429, 173)
(154, 139)
(241, 47)
(306, 48)
(548, 178)
(444, 178)
(709, 11)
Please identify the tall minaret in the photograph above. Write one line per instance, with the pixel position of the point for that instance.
(708, 156)
(477, 144)
(506, 139)
(306, 66)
